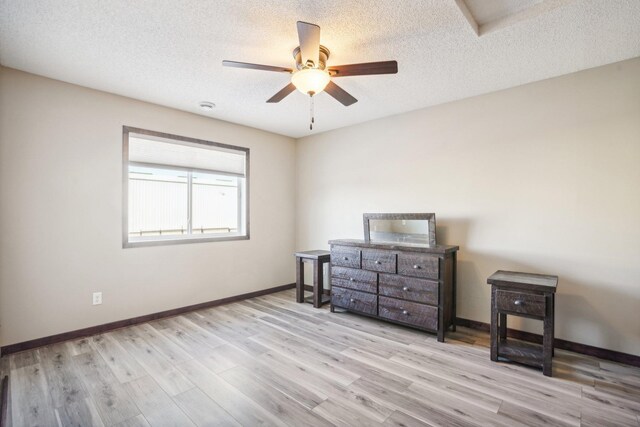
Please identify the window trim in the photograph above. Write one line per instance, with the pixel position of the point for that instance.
(126, 130)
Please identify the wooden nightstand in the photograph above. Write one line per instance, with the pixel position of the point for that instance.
(526, 295)
(317, 258)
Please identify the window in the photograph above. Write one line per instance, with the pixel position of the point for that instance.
(179, 190)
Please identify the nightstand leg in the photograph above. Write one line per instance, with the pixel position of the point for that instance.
(318, 286)
(454, 284)
(299, 280)
(547, 338)
(441, 326)
(503, 326)
(553, 330)
(494, 326)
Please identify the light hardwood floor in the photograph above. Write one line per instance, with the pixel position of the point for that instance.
(270, 361)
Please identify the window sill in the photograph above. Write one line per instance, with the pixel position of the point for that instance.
(179, 241)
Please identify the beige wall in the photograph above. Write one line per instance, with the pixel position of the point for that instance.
(61, 216)
(541, 178)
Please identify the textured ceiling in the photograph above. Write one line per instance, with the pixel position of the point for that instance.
(170, 52)
(485, 11)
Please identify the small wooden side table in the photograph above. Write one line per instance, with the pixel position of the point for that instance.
(526, 295)
(318, 259)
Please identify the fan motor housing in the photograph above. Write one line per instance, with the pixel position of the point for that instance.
(324, 55)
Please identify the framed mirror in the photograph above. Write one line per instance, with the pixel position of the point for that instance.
(400, 228)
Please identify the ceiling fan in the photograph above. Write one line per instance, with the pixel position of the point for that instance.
(312, 75)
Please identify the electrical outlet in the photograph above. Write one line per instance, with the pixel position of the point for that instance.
(97, 298)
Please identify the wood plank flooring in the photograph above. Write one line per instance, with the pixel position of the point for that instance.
(270, 361)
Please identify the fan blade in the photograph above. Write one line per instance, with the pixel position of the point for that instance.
(340, 94)
(283, 93)
(256, 66)
(367, 68)
(309, 38)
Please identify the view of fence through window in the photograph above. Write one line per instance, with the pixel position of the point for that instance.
(180, 189)
(159, 202)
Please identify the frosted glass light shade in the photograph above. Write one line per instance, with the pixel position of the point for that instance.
(310, 80)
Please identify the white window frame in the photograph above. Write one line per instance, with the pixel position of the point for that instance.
(243, 192)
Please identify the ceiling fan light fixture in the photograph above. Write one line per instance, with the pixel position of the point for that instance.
(310, 81)
(313, 76)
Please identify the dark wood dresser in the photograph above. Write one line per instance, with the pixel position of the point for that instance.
(413, 285)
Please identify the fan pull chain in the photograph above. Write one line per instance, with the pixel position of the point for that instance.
(311, 113)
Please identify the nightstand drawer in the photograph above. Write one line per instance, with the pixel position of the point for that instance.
(418, 265)
(521, 303)
(354, 300)
(345, 256)
(409, 288)
(420, 315)
(379, 260)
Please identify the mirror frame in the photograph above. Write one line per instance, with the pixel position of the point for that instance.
(431, 217)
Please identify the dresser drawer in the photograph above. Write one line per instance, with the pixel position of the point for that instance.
(355, 285)
(345, 256)
(353, 274)
(521, 303)
(421, 315)
(379, 260)
(359, 280)
(418, 265)
(354, 300)
(408, 288)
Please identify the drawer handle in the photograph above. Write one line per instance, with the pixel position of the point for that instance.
(405, 288)
(376, 262)
(405, 312)
(351, 279)
(352, 300)
(518, 302)
(416, 267)
(345, 258)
